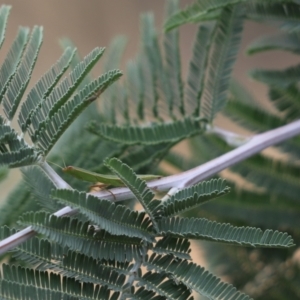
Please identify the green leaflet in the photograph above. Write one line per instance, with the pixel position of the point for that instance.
(282, 11)
(196, 72)
(18, 282)
(148, 135)
(173, 63)
(45, 255)
(151, 70)
(251, 117)
(279, 78)
(280, 41)
(4, 12)
(222, 54)
(79, 236)
(199, 11)
(116, 219)
(192, 197)
(286, 100)
(43, 88)
(138, 187)
(40, 186)
(164, 287)
(208, 230)
(12, 60)
(19, 158)
(194, 277)
(175, 246)
(54, 127)
(60, 95)
(21, 78)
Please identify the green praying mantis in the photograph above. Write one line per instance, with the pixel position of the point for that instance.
(101, 180)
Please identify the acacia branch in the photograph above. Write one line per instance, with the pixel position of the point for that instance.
(256, 144)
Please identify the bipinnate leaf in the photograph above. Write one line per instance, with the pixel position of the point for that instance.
(20, 80)
(222, 55)
(116, 219)
(20, 283)
(163, 286)
(80, 236)
(4, 12)
(12, 59)
(200, 228)
(50, 130)
(175, 246)
(198, 11)
(43, 88)
(194, 277)
(153, 134)
(138, 186)
(192, 197)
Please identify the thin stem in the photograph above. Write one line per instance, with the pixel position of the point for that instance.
(55, 178)
(231, 138)
(184, 179)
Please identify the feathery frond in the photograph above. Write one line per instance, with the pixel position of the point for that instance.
(41, 187)
(151, 65)
(116, 219)
(20, 158)
(194, 277)
(256, 209)
(226, 233)
(223, 51)
(166, 288)
(4, 12)
(138, 187)
(194, 196)
(18, 282)
(286, 100)
(251, 117)
(148, 135)
(286, 12)
(21, 78)
(173, 63)
(64, 90)
(143, 294)
(12, 60)
(176, 246)
(199, 11)
(43, 88)
(196, 72)
(281, 78)
(280, 41)
(48, 132)
(79, 236)
(44, 255)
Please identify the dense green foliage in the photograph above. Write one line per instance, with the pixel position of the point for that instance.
(99, 252)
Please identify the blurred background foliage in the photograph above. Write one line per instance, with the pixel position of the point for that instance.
(265, 188)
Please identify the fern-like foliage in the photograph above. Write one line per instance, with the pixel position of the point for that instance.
(194, 196)
(193, 228)
(116, 219)
(102, 251)
(137, 186)
(50, 106)
(148, 135)
(195, 277)
(45, 286)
